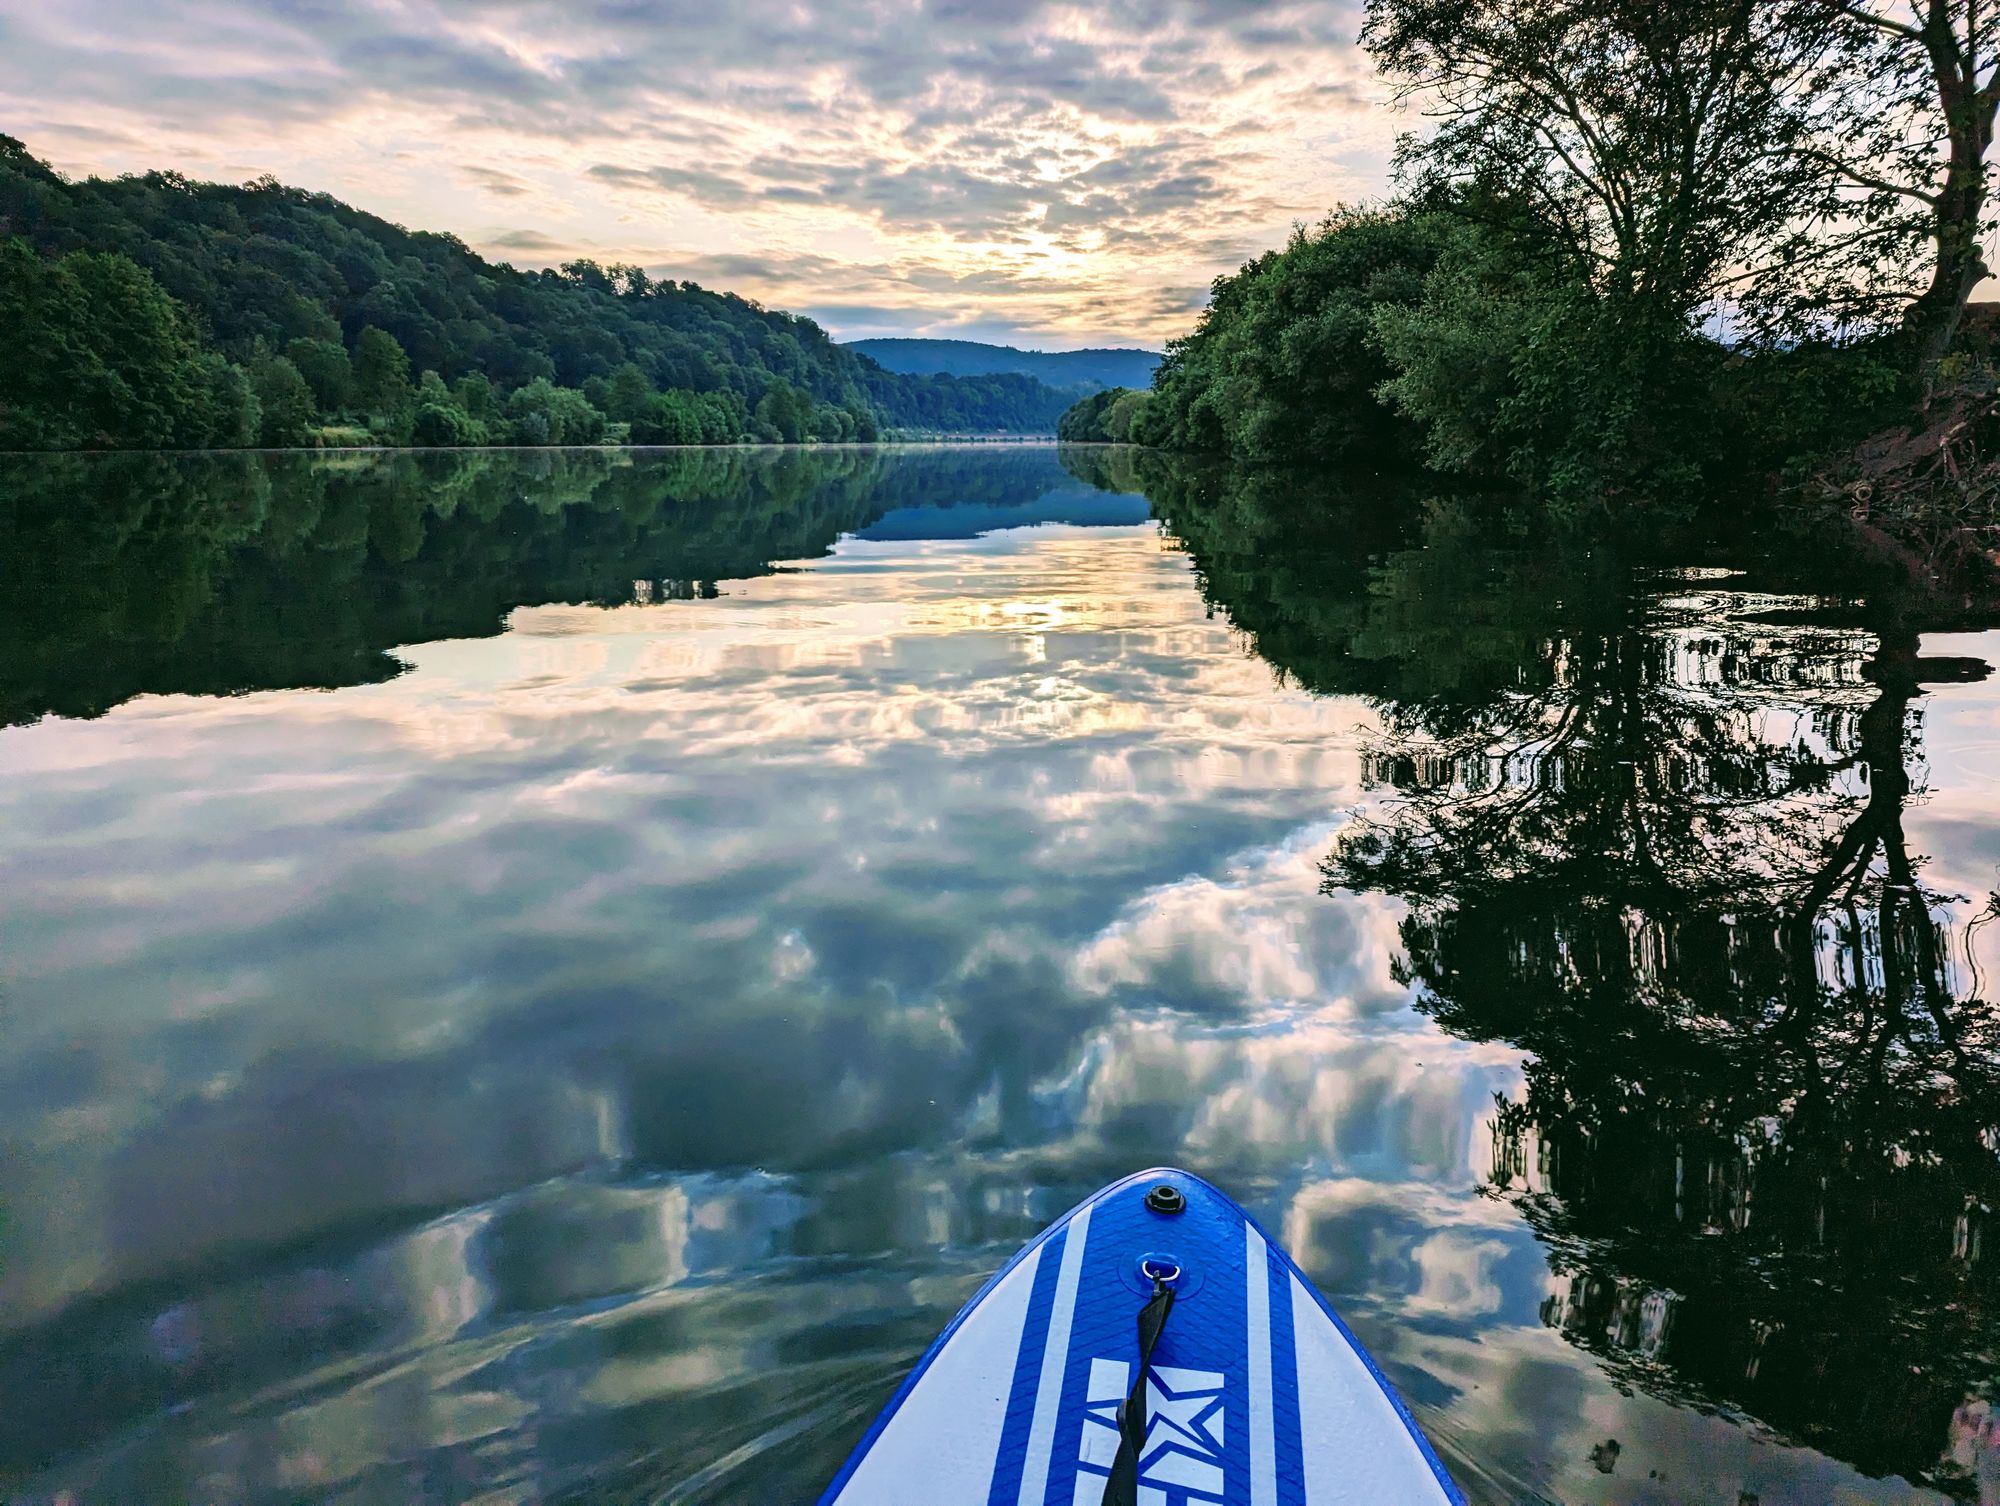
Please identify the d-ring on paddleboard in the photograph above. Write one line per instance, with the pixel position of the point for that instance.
(1256, 1394)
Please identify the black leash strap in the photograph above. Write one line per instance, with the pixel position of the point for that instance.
(1122, 1489)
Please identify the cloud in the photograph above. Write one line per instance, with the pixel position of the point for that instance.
(504, 185)
(522, 240)
(1094, 155)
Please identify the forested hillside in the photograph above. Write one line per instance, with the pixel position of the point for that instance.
(1094, 369)
(155, 311)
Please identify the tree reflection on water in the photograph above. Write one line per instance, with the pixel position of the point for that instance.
(1650, 829)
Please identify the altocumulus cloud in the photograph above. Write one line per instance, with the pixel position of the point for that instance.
(1065, 172)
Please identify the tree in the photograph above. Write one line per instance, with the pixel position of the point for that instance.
(669, 418)
(101, 358)
(284, 401)
(382, 383)
(1106, 417)
(1904, 123)
(1284, 363)
(1124, 414)
(327, 370)
(784, 412)
(1083, 423)
(542, 413)
(626, 393)
(1656, 144)
(443, 425)
(476, 397)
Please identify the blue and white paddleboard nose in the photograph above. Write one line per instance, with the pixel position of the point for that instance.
(1256, 1394)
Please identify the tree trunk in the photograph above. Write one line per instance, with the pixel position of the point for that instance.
(1961, 203)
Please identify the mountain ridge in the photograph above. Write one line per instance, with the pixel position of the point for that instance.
(1067, 370)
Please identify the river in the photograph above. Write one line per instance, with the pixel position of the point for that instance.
(542, 976)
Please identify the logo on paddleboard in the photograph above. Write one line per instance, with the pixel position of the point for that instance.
(1182, 1462)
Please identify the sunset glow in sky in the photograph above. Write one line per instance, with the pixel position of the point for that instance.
(1054, 175)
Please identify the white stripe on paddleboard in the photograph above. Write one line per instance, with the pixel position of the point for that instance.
(1055, 1361)
(1357, 1450)
(942, 1442)
(1263, 1416)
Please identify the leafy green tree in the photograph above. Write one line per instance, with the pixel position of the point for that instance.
(1125, 414)
(626, 394)
(782, 414)
(382, 384)
(284, 402)
(99, 357)
(475, 396)
(542, 413)
(1083, 423)
(222, 410)
(669, 418)
(1284, 363)
(444, 425)
(327, 371)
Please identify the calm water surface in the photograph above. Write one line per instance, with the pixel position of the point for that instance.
(549, 977)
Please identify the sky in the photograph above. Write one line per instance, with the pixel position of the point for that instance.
(1042, 174)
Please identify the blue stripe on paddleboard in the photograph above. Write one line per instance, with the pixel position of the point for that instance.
(1286, 1429)
(1055, 1363)
(1013, 1455)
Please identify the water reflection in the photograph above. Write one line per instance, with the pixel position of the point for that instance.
(217, 574)
(592, 1059)
(1651, 828)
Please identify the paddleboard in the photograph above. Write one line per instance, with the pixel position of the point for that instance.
(1256, 1394)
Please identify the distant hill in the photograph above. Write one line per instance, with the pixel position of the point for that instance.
(1093, 369)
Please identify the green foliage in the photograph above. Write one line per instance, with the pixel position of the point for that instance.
(382, 384)
(1285, 361)
(626, 394)
(1084, 422)
(476, 398)
(99, 356)
(669, 418)
(1490, 352)
(784, 413)
(1513, 374)
(542, 413)
(327, 369)
(222, 405)
(444, 426)
(284, 402)
(1107, 417)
